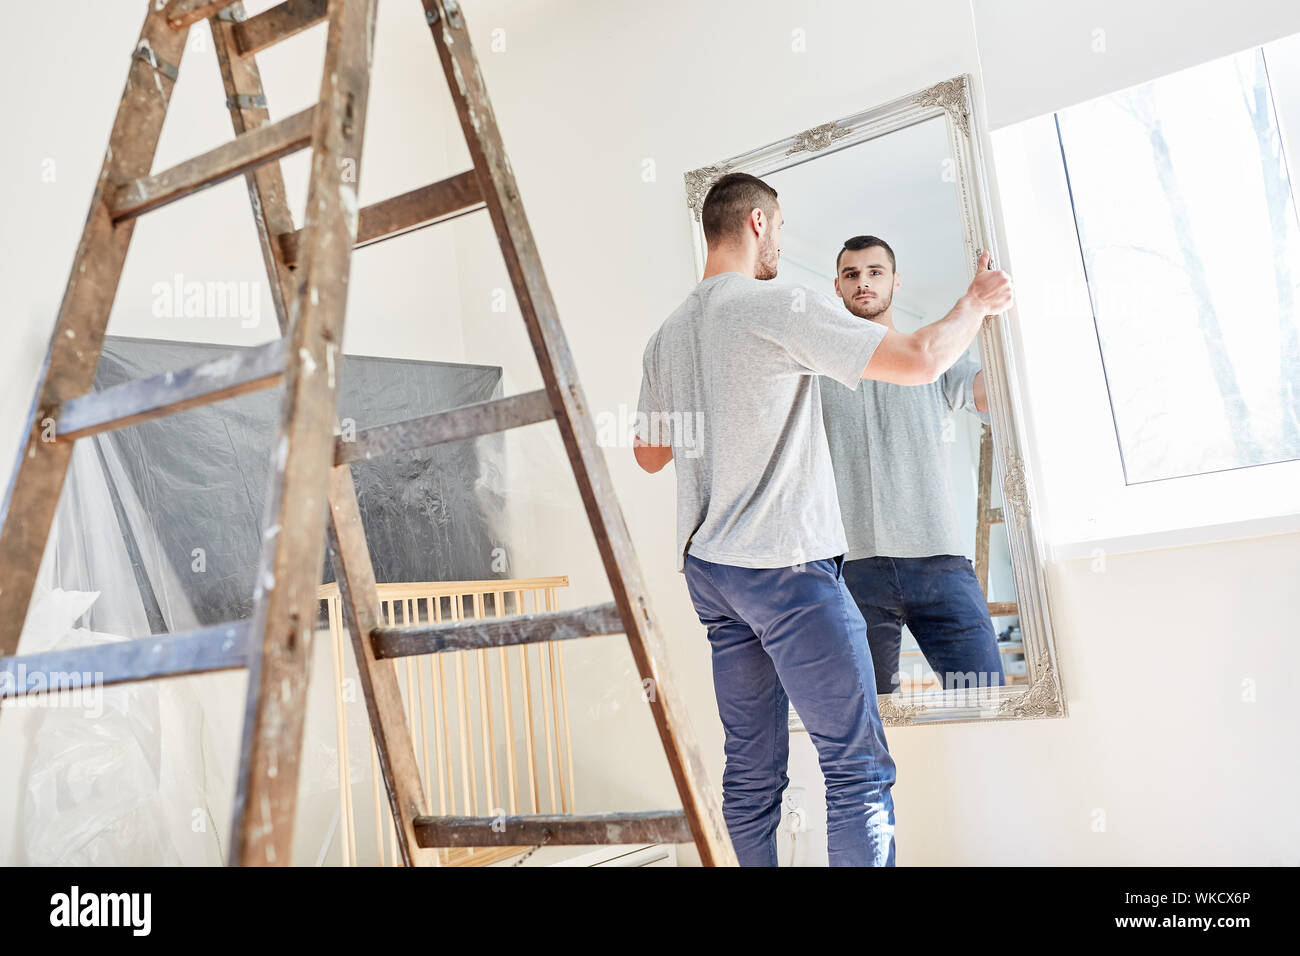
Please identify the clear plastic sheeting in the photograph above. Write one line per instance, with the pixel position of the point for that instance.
(116, 774)
(113, 775)
(158, 531)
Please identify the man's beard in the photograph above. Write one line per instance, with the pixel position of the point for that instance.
(870, 308)
(767, 260)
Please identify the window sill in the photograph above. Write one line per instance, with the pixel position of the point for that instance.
(1175, 538)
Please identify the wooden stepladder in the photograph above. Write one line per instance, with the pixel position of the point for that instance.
(311, 478)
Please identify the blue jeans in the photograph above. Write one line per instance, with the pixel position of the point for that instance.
(795, 630)
(940, 601)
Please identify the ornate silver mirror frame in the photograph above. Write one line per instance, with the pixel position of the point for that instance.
(1044, 696)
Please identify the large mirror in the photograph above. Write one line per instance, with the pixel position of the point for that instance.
(943, 560)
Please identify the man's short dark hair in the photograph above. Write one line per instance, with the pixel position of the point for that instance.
(865, 242)
(729, 202)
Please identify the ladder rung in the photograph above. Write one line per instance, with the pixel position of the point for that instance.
(214, 648)
(401, 214)
(457, 424)
(262, 145)
(653, 826)
(170, 392)
(279, 23)
(995, 516)
(589, 621)
(182, 13)
(1003, 609)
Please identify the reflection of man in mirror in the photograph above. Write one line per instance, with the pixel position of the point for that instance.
(759, 535)
(890, 448)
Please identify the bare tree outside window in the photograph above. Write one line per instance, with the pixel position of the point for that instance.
(1187, 224)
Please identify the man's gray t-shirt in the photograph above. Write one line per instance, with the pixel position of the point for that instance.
(730, 380)
(891, 462)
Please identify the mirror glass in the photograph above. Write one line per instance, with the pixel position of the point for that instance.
(902, 187)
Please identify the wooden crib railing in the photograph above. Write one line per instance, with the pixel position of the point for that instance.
(490, 727)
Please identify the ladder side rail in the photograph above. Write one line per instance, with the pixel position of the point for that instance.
(75, 344)
(293, 534)
(523, 263)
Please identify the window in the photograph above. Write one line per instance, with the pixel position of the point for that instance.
(1186, 221)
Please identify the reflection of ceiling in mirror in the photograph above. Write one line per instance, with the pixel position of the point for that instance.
(900, 187)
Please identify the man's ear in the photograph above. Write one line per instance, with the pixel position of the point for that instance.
(837, 287)
(898, 281)
(757, 221)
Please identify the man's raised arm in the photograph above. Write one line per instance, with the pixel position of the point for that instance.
(920, 357)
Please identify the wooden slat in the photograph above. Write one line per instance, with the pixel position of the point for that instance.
(183, 13)
(293, 535)
(421, 207)
(1003, 609)
(279, 23)
(590, 470)
(241, 154)
(405, 589)
(457, 424)
(216, 648)
(238, 373)
(653, 826)
(69, 368)
(261, 367)
(471, 635)
(383, 696)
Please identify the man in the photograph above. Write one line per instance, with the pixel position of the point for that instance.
(759, 535)
(904, 563)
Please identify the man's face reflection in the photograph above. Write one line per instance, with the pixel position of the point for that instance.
(866, 281)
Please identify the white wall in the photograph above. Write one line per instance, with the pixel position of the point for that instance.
(585, 94)
(1180, 739)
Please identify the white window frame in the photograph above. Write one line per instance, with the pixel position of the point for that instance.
(1087, 508)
